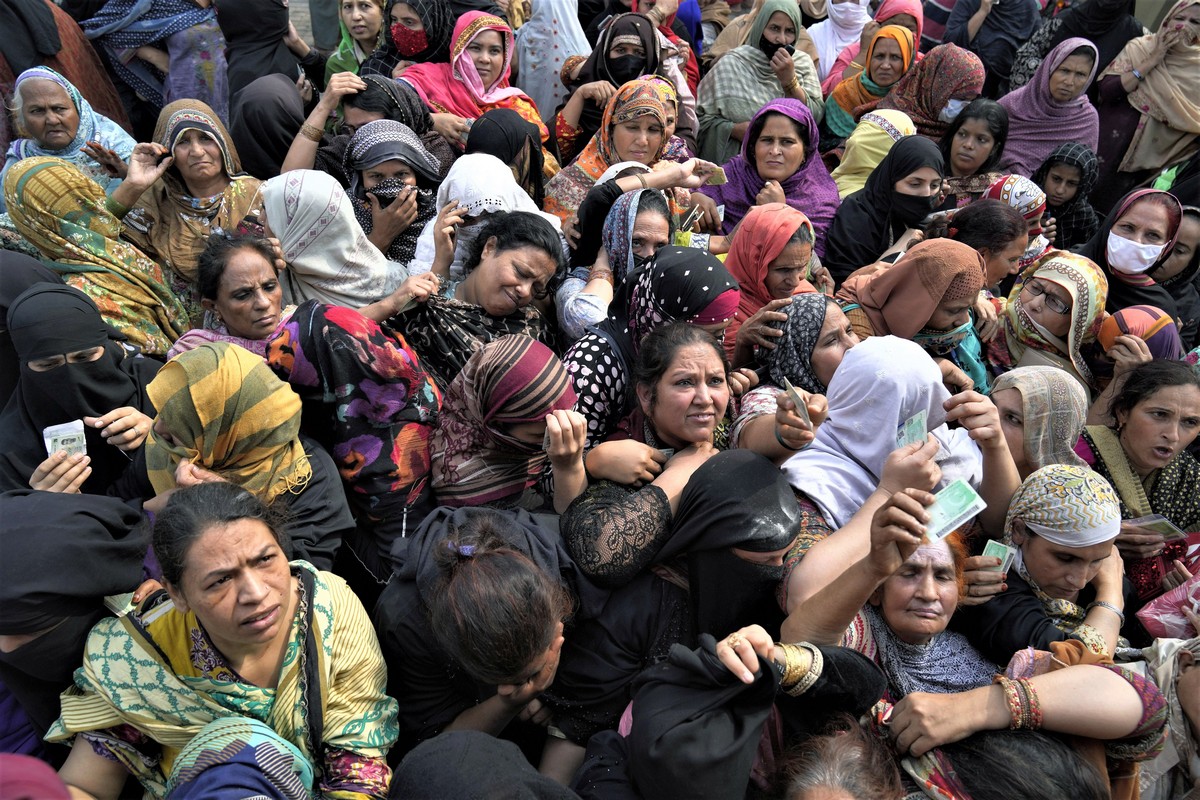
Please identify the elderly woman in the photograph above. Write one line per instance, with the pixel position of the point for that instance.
(889, 55)
(233, 663)
(872, 138)
(1042, 413)
(936, 88)
(750, 76)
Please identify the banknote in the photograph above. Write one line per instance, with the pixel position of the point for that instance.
(952, 506)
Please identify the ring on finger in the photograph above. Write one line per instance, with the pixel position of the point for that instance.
(733, 640)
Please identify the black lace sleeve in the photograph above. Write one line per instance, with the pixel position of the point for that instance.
(613, 531)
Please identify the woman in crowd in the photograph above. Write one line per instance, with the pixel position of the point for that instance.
(544, 42)
(679, 284)
(18, 272)
(972, 146)
(872, 138)
(362, 31)
(898, 195)
(1108, 24)
(503, 133)
(1157, 331)
(769, 258)
(55, 120)
(905, 13)
(415, 32)
(258, 41)
(1054, 100)
(685, 55)
(779, 163)
(750, 76)
(1067, 176)
(71, 369)
(66, 216)
(843, 27)
(223, 416)
(1177, 274)
(1052, 314)
(993, 229)
(511, 264)
(937, 88)
(223, 695)
(1156, 416)
(1028, 199)
(1148, 104)
(474, 81)
(993, 32)
(1135, 238)
(888, 57)
(504, 419)
(1042, 413)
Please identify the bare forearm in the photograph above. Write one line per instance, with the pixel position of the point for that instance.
(1000, 481)
(491, 716)
(569, 483)
(976, 22)
(824, 617)
(758, 435)
(1059, 694)
(127, 194)
(826, 560)
(303, 152)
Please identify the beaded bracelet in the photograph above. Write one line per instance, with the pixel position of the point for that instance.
(816, 665)
(1012, 695)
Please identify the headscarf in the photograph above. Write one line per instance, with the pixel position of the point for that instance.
(947, 72)
(1088, 287)
(1053, 408)
(879, 384)
(617, 234)
(503, 133)
(945, 664)
(1168, 99)
(839, 30)
(92, 128)
(1027, 199)
(888, 9)
(348, 56)
(809, 189)
(1108, 24)
(566, 190)
(1152, 325)
(510, 380)
(1032, 111)
(228, 413)
(329, 256)
(18, 272)
(544, 43)
(1162, 660)
(760, 238)
(792, 356)
(860, 89)
(437, 19)
(62, 213)
(1076, 219)
(867, 145)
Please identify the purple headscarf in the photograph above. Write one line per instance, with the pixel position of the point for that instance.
(809, 190)
(1033, 115)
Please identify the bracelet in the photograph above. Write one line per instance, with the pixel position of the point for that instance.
(1137, 73)
(601, 274)
(1033, 708)
(1107, 607)
(811, 672)
(1012, 695)
(793, 85)
(858, 66)
(793, 665)
(784, 444)
(642, 180)
(311, 132)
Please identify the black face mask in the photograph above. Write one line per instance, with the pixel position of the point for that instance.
(768, 48)
(911, 209)
(640, 261)
(624, 69)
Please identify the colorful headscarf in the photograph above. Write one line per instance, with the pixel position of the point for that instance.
(1152, 325)
(1020, 193)
(1053, 409)
(227, 413)
(1076, 219)
(867, 145)
(860, 90)
(947, 73)
(437, 26)
(888, 10)
(508, 381)
(617, 235)
(792, 356)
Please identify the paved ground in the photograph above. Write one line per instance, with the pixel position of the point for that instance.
(298, 10)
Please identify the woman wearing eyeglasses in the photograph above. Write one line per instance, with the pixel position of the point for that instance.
(1054, 310)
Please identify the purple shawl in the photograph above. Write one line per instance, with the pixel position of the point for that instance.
(810, 190)
(1037, 123)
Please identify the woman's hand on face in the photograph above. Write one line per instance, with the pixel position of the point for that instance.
(599, 92)
(449, 218)
(626, 462)
(1136, 542)
(772, 192)
(452, 127)
(113, 164)
(61, 473)
(981, 581)
(783, 66)
(739, 651)
(897, 530)
(1128, 351)
(280, 262)
(188, 474)
(393, 220)
(953, 378)
(978, 415)
(125, 428)
(987, 321)
(709, 220)
(568, 435)
(144, 165)
(339, 87)
(761, 329)
(911, 467)
(741, 381)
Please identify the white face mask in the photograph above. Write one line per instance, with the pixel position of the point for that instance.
(1129, 257)
(951, 110)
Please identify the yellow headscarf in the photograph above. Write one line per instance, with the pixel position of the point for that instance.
(871, 140)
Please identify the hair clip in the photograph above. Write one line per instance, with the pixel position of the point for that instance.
(464, 550)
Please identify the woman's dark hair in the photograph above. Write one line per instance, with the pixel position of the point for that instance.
(1146, 379)
(513, 230)
(1049, 768)
(993, 224)
(216, 255)
(374, 100)
(657, 352)
(1084, 50)
(996, 118)
(495, 610)
(656, 203)
(845, 758)
(192, 511)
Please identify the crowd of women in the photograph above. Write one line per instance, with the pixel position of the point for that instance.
(576, 400)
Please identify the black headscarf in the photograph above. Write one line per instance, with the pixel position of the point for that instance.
(254, 31)
(1108, 24)
(48, 320)
(868, 221)
(264, 118)
(1182, 288)
(17, 273)
(472, 765)
(504, 133)
(1076, 219)
(438, 19)
(30, 33)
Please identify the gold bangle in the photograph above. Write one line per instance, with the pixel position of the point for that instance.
(858, 65)
(642, 180)
(793, 85)
(810, 664)
(311, 132)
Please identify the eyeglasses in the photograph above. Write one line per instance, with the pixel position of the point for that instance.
(1052, 301)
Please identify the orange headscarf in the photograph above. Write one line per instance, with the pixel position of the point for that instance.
(854, 92)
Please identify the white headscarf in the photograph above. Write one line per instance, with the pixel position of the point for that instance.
(879, 384)
(544, 43)
(841, 29)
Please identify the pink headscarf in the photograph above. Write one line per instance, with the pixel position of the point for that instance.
(887, 10)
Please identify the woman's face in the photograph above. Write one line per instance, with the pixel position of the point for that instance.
(1159, 427)
(904, 21)
(639, 139)
(779, 150)
(689, 399)
(1048, 304)
(951, 314)
(787, 270)
(1012, 423)
(972, 145)
(354, 118)
(198, 158)
(84, 356)
(1060, 571)
(1062, 184)
(1188, 15)
(237, 580)
(918, 600)
(651, 233)
(780, 29)
(887, 62)
(509, 280)
(1070, 79)
(371, 176)
(487, 54)
(1145, 222)
(403, 14)
(925, 182)
(835, 338)
(1183, 251)
(626, 49)
(541, 669)
(364, 19)
(249, 296)
(1006, 261)
(47, 113)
